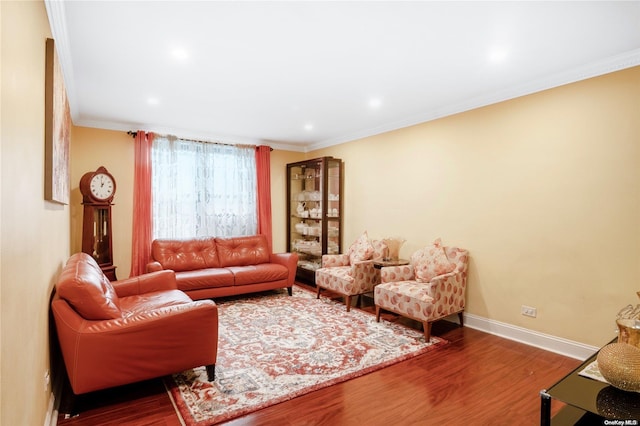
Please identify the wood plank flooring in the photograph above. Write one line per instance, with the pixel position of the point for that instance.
(477, 379)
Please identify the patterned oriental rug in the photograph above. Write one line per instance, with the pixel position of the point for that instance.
(275, 347)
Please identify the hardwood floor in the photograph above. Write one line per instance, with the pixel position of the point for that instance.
(477, 379)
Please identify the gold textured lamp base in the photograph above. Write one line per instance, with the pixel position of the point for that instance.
(619, 363)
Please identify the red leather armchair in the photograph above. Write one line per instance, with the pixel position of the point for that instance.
(130, 330)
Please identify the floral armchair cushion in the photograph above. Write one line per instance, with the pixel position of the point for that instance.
(361, 249)
(431, 262)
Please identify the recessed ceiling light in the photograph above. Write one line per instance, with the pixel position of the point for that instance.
(179, 54)
(497, 55)
(308, 127)
(153, 101)
(375, 103)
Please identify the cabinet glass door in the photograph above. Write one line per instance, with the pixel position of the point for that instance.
(333, 212)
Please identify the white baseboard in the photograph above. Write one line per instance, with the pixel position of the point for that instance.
(529, 337)
(51, 418)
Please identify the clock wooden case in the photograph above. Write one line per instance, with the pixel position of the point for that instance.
(98, 188)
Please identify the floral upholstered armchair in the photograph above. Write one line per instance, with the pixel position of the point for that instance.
(432, 286)
(352, 273)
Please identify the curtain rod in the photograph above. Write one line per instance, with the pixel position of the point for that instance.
(134, 134)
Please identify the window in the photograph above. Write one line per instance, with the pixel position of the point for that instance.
(202, 189)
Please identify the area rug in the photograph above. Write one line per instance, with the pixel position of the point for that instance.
(275, 347)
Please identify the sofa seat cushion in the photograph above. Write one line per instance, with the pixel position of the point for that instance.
(147, 302)
(204, 278)
(262, 273)
(337, 278)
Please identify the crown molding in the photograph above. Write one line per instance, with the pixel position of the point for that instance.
(612, 64)
(58, 24)
(188, 134)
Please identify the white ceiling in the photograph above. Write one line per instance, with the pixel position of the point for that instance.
(261, 72)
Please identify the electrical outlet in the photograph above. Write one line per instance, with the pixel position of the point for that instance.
(47, 379)
(529, 311)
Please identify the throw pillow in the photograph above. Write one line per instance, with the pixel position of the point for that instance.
(361, 249)
(431, 262)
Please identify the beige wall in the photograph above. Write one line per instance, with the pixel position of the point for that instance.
(34, 234)
(90, 149)
(544, 191)
(279, 161)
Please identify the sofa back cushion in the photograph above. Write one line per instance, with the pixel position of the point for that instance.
(85, 287)
(186, 255)
(243, 251)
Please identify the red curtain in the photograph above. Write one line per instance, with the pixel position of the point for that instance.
(142, 217)
(263, 170)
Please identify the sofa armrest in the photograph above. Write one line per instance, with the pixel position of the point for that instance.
(362, 265)
(146, 283)
(448, 290)
(153, 319)
(330, 260)
(390, 274)
(290, 261)
(365, 275)
(154, 267)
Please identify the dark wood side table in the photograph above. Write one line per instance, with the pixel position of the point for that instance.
(588, 401)
(381, 263)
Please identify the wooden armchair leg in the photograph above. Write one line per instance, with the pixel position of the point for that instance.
(348, 302)
(461, 319)
(318, 292)
(426, 327)
(378, 312)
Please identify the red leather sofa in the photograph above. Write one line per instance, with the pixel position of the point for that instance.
(217, 267)
(121, 332)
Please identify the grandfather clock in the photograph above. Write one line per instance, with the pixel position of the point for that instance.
(98, 189)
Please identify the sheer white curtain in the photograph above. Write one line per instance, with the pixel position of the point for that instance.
(203, 189)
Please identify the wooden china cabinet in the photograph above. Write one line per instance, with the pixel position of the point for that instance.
(314, 212)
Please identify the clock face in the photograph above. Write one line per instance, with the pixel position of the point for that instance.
(102, 186)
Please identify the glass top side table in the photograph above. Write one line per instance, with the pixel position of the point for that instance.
(381, 263)
(591, 396)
